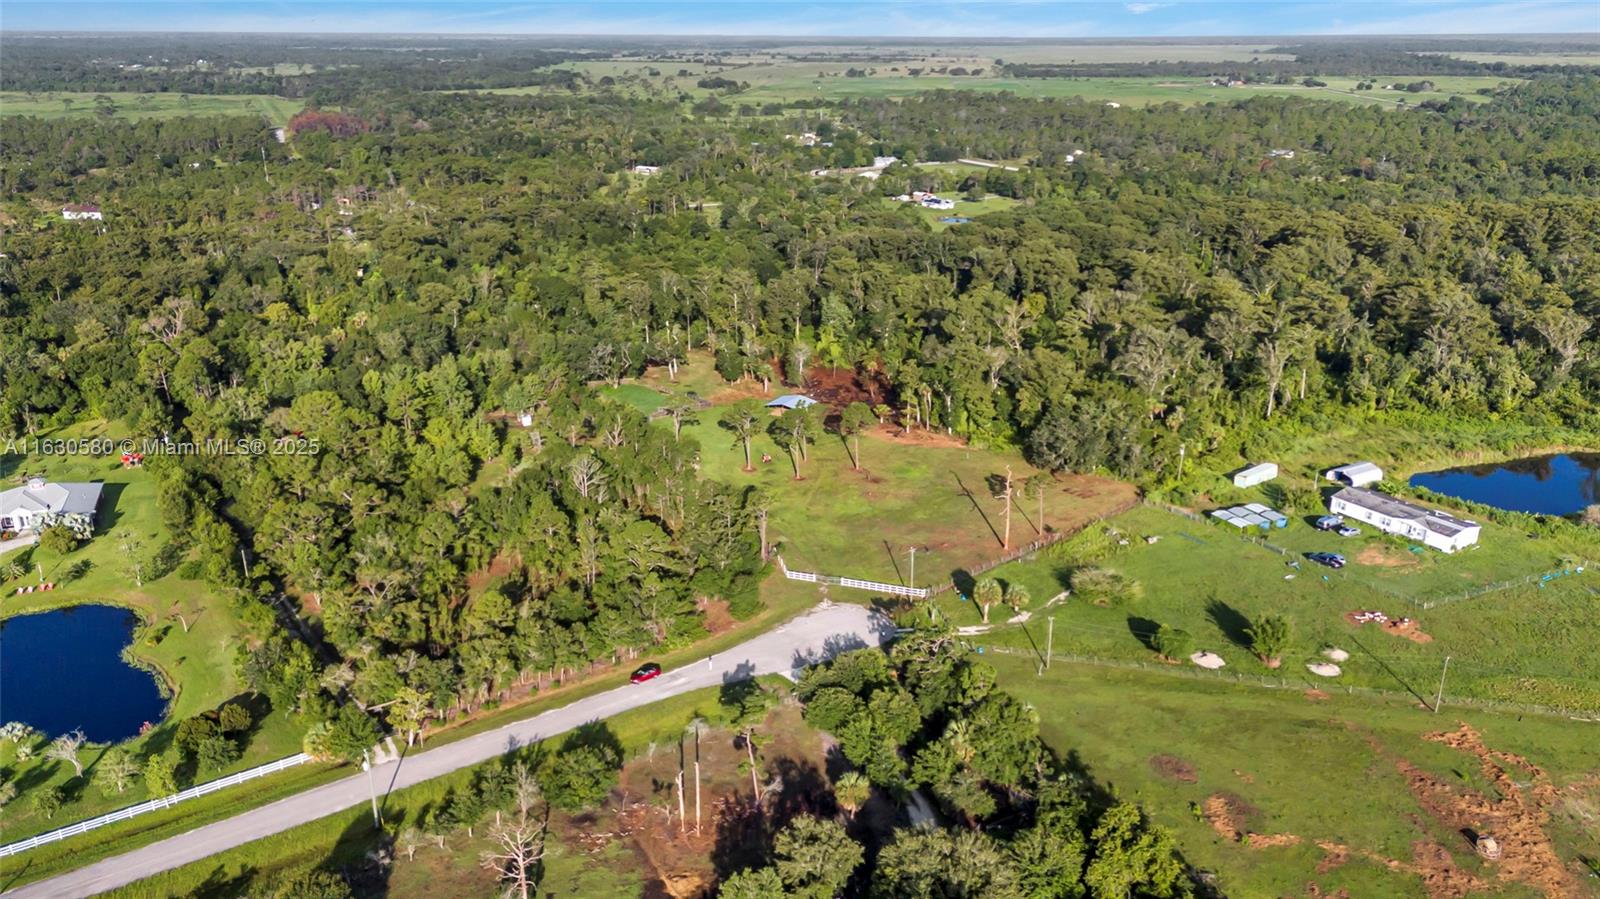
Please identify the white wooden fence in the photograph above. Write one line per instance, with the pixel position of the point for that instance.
(854, 582)
(133, 811)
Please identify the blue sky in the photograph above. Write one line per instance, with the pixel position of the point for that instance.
(902, 18)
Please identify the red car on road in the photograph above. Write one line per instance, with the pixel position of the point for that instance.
(650, 671)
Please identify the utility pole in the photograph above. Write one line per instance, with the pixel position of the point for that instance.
(1006, 542)
(697, 778)
(372, 789)
(245, 562)
(1050, 641)
(1183, 449)
(1438, 698)
(913, 579)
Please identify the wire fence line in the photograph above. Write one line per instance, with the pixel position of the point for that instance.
(1285, 682)
(1042, 542)
(164, 802)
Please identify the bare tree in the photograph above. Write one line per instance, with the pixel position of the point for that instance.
(65, 749)
(518, 841)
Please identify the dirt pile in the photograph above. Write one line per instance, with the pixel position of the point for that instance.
(1173, 768)
(1516, 817)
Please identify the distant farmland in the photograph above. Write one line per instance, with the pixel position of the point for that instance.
(59, 104)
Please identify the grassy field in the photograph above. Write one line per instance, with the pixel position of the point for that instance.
(1523, 644)
(964, 209)
(922, 489)
(1319, 768)
(197, 662)
(58, 104)
(1532, 59)
(773, 79)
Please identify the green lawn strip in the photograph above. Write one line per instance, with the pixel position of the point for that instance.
(123, 836)
(1524, 644)
(137, 106)
(348, 834)
(1308, 766)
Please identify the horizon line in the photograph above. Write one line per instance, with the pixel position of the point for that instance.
(1171, 38)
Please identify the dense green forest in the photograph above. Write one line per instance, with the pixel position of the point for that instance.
(399, 295)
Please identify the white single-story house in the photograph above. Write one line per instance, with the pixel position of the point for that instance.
(938, 203)
(1356, 474)
(883, 162)
(1280, 154)
(1397, 516)
(35, 503)
(646, 169)
(791, 401)
(1259, 473)
(78, 212)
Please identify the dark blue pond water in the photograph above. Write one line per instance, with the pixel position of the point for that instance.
(63, 670)
(1547, 485)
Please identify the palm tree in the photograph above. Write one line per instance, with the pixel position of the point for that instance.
(986, 593)
(1017, 597)
(852, 792)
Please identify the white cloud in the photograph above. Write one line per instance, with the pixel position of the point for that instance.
(1140, 9)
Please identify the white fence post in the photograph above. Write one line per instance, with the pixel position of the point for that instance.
(163, 802)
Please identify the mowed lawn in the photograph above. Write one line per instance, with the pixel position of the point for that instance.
(1522, 644)
(136, 106)
(964, 209)
(1319, 768)
(198, 663)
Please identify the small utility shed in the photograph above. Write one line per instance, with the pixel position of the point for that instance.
(1356, 474)
(791, 401)
(1260, 473)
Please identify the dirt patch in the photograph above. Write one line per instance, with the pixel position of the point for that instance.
(1394, 626)
(1382, 556)
(839, 387)
(1333, 855)
(1516, 817)
(921, 437)
(1269, 840)
(500, 566)
(1315, 892)
(1173, 768)
(738, 391)
(1227, 814)
(715, 613)
(1316, 695)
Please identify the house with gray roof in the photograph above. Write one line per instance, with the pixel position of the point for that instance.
(38, 503)
(1430, 527)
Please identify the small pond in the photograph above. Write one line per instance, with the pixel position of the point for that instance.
(63, 669)
(1546, 485)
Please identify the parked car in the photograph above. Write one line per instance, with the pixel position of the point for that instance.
(649, 671)
(1329, 522)
(1332, 560)
(1348, 531)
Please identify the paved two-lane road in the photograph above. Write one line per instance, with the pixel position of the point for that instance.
(819, 634)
